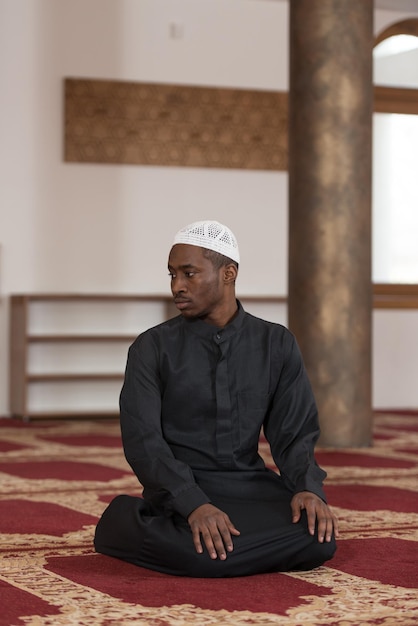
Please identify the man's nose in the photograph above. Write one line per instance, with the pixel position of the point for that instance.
(178, 285)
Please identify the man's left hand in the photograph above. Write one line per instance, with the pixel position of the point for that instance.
(317, 513)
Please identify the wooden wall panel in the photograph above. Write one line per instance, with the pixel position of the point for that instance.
(160, 124)
(153, 124)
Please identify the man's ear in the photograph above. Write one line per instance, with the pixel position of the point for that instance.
(230, 273)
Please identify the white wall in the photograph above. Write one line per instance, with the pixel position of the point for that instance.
(395, 351)
(397, 70)
(108, 228)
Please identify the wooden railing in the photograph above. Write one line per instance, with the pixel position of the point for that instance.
(396, 296)
(385, 296)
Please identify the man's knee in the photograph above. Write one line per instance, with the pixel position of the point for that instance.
(315, 555)
(116, 523)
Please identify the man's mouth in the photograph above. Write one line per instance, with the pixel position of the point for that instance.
(181, 303)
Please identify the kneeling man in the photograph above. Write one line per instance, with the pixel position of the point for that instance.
(198, 391)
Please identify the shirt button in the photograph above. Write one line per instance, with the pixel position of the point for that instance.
(218, 336)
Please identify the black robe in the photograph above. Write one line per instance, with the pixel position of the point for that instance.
(193, 404)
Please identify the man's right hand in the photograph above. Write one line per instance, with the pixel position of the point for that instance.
(209, 523)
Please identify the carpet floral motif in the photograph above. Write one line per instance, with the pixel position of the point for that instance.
(56, 478)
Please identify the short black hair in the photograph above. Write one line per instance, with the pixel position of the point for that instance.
(218, 260)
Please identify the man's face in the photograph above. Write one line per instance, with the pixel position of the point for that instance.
(197, 287)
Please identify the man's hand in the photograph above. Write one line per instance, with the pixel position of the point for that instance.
(216, 529)
(316, 511)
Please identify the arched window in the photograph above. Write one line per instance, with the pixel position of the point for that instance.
(395, 155)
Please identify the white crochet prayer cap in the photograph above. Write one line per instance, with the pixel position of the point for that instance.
(211, 235)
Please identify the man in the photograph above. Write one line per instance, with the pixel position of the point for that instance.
(198, 390)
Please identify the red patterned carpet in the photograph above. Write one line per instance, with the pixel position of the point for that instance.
(57, 476)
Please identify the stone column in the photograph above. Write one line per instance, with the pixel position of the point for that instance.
(330, 292)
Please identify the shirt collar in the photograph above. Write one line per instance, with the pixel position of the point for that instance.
(218, 334)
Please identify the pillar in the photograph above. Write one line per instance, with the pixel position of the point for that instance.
(330, 290)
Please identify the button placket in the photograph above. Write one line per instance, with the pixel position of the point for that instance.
(223, 404)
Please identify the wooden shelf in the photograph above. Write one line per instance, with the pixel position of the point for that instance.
(52, 415)
(78, 338)
(93, 297)
(50, 335)
(57, 378)
(29, 342)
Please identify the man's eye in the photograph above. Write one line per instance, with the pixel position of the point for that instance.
(171, 275)
(189, 274)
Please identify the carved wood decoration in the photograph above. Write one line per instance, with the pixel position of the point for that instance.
(154, 124)
(173, 125)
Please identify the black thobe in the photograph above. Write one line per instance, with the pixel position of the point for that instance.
(192, 406)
